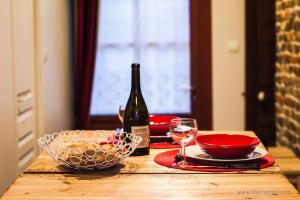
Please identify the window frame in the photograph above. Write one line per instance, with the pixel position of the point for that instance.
(201, 72)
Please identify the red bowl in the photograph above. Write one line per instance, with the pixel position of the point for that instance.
(227, 145)
(159, 124)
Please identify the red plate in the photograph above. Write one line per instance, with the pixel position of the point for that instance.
(159, 124)
(227, 145)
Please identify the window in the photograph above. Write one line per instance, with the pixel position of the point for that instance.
(154, 33)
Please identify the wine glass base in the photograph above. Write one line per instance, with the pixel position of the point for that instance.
(180, 164)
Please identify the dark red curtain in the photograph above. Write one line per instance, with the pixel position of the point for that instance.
(85, 38)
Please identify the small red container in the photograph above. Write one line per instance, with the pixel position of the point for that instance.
(159, 124)
(227, 145)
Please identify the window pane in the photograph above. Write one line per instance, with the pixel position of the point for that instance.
(165, 80)
(164, 21)
(111, 80)
(154, 33)
(115, 21)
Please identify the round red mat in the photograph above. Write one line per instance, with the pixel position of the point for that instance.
(163, 145)
(168, 158)
(166, 145)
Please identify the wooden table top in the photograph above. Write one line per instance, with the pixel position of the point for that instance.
(141, 178)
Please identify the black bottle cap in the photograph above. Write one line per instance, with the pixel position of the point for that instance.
(135, 65)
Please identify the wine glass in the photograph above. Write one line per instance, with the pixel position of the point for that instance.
(121, 113)
(183, 132)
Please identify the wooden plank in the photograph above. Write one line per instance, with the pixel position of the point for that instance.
(290, 166)
(281, 152)
(298, 183)
(141, 164)
(151, 186)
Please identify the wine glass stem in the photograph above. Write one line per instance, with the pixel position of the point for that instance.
(183, 153)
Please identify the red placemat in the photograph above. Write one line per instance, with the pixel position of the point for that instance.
(163, 145)
(168, 158)
(166, 145)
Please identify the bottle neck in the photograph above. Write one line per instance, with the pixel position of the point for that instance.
(135, 79)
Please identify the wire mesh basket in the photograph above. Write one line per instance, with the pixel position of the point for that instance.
(89, 150)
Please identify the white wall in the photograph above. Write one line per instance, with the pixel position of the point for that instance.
(228, 64)
(33, 61)
(53, 67)
(8, 158)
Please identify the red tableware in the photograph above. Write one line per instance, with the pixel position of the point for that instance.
(227, 145)
(159, 124)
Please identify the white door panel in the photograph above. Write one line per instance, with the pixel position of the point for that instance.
(23, 44)
(24, 79)
(8, 166)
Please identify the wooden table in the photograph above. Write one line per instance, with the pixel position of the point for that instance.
(142, 178)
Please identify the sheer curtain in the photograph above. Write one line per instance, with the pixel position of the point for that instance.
(154, 33)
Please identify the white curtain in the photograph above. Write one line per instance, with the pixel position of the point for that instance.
(154, 33)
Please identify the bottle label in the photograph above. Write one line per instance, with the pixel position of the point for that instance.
(144, 132)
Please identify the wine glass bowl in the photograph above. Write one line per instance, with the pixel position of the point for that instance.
(121, 113)
(183, 134)
(183, 131)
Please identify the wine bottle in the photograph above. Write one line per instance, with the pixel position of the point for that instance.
(136, 117)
